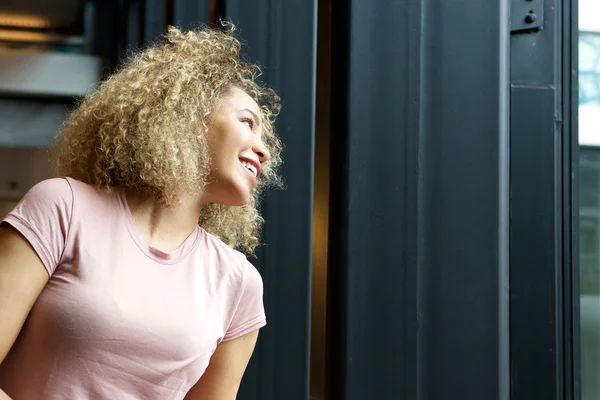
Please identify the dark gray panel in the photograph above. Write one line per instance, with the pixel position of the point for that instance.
(155, 19)
(134, 24)
(544, 338)
(107, 31)
(188, 14)
(464, 242)
(372, 276)
(419, 228)
(534, 353)
(463, 245)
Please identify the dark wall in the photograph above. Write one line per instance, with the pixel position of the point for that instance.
(450, 248)
(419, 235)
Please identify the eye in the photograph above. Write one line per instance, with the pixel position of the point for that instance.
(248, 121)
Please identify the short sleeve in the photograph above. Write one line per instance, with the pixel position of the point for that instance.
(43, 218)
(249, 314)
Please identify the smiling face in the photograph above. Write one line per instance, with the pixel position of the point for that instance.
(236, 149)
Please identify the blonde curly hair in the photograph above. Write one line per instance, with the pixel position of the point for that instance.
(145, 127)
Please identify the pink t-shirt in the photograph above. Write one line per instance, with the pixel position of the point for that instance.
(119, 319)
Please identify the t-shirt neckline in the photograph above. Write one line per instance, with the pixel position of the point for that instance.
(151, 252)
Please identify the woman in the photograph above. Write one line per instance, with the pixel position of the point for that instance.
(119, 278)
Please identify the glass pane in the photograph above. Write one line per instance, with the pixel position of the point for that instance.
(589, 195)
(589, 247)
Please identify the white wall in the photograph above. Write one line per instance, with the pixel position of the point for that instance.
(589, 114)
(589, 15)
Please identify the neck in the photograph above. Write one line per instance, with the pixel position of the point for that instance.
(161, 227)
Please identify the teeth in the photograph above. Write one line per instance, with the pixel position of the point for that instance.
(250, 167)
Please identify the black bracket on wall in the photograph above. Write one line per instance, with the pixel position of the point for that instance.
(526, 15)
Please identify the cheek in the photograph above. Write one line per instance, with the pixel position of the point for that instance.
(215, 145)
(213, 149)
(222, 154)
(226, 141)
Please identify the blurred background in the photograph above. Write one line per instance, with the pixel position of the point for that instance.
(47, 60)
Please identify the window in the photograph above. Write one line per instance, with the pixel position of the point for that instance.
(589, 245)
(589, 196)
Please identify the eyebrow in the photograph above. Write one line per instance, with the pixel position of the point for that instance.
(256, 118)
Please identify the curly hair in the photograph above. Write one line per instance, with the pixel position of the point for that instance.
(145, 127)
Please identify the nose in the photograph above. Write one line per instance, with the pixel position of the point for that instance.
(261, 151)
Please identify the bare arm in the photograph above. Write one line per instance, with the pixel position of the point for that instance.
(222, 378)
(22, 278)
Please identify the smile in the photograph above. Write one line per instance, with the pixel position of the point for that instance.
(250, 167)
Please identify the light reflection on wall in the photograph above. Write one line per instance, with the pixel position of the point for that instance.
(318, 368)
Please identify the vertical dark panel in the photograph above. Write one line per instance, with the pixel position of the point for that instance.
(190, 13)
(372, 255)
(281, 36)
(155, 19)
(535, 287)
(129, 20)
(542, 259)
(464, 202)
(106, 36)
(134, 24)
(419, 200)
(570, 139)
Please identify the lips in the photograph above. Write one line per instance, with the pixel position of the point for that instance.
(252, 166)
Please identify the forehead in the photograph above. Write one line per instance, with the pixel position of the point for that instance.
(239, 99)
